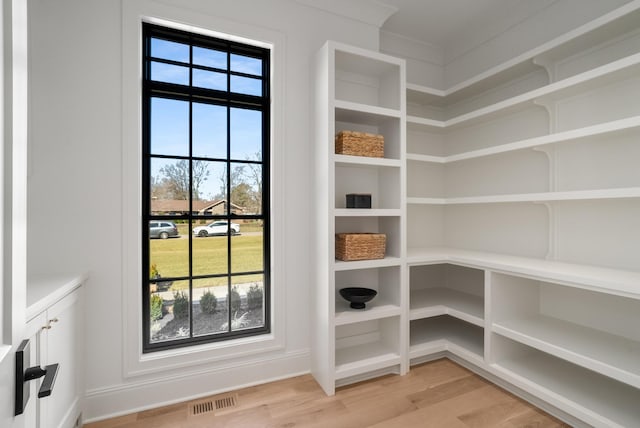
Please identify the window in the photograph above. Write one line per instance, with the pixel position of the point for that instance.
(205, 196)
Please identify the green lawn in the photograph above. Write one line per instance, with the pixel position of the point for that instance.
(209, 257)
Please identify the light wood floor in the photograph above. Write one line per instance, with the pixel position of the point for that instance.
(438, 394)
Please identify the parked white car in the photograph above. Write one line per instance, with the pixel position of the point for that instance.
(218, 227)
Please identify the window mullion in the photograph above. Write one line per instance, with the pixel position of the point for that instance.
(196, 279)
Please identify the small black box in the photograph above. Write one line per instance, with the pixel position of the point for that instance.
(359, 200)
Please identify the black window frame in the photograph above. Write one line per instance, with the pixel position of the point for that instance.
(152, 89)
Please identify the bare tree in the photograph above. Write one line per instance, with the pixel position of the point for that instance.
(237, 178)
(255, 180)
(174, 181)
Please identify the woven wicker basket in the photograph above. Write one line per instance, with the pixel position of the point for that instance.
(360, 144)
(360, 246)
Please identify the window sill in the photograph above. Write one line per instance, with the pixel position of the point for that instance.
(218, 352)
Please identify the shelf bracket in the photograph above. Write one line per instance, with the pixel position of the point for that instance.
(552, 113)
(550, 151)
(549, 67)
(552, 246)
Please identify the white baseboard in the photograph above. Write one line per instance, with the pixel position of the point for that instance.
(137, 396)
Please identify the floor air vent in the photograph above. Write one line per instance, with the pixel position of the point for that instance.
(225, 402)
(211, 405)
(202, 407)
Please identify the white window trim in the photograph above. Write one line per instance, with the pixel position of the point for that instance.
(135, 362)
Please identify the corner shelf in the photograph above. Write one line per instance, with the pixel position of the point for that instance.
(621, 69)
(444, 333)
(616, 126)
(607, 27)
(432, 302)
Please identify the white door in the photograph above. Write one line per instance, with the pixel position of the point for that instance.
(13, 196)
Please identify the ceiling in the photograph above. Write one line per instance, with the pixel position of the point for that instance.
(451, 26)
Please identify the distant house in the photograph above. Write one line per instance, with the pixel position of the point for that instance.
(179, 207)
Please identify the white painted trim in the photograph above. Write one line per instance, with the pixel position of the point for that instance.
(370, 12)
(286, 366)
(136, 363)
(13, 167)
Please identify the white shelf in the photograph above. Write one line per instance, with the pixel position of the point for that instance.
(574, 195)
(426, 123)
(613, 281)
(556, 138)
(597, 400)
(367, 212)
(375, 309)
(431, 335)
(366, 162)
(608, 73)
(347, 111)
(613, 356)
(426, 158)
(363, 358)
(340, 265)
(433, 302)
(606, 27)
(426, 201)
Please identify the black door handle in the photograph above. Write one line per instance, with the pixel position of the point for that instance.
(49, 372)
(24, 375)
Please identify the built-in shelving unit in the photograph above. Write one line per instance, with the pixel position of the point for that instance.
(359, 90)
(526, 173)
(511, 205)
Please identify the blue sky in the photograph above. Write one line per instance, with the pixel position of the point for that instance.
(170, 118)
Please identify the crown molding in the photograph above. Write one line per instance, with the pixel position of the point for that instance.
(372, 12)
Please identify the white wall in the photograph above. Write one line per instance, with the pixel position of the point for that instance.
(76, 170)
(78, 160)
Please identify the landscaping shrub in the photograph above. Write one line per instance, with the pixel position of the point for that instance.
(156, 307)
(153, 271)
(235, 300)
(208, 303)
(180, 305)
(254, 297)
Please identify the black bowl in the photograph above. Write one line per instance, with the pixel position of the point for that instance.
(358, 296)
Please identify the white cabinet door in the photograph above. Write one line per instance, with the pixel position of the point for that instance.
(61, 344)
(34, 332)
